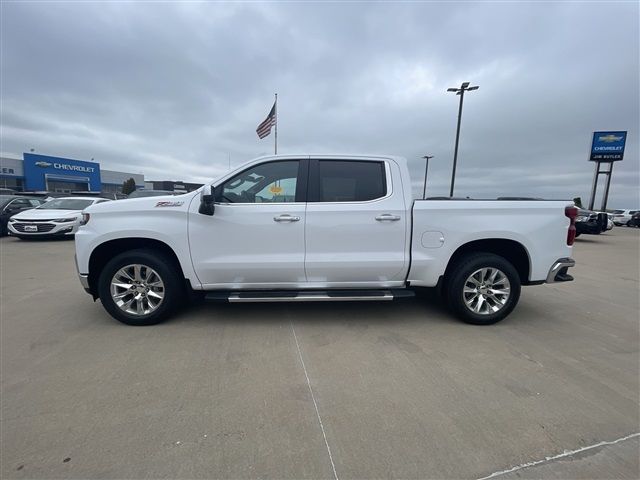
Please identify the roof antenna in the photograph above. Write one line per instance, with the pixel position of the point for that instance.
(426, 171)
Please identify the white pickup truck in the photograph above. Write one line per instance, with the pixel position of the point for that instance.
(319, 228)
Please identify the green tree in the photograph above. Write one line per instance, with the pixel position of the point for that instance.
(128, 186)
(578, 202)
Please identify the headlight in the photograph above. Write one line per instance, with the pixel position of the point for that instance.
(65, 220)
(582, 219)
(85, 219)
(11, 220)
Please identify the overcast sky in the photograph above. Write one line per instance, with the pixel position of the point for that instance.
(171, 89)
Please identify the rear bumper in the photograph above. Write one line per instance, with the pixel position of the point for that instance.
(558, 271)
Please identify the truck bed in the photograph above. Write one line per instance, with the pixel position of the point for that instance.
(441, 226)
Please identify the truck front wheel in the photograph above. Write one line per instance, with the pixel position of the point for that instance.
(139, 287)
(482, 288)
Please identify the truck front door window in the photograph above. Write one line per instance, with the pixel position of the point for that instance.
(273, 182)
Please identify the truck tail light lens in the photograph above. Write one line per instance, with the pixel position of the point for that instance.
(571, 213)
(85, 219)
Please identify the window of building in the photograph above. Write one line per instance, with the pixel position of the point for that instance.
(12, 183)
(111, 188)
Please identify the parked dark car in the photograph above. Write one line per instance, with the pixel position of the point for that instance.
(590, 223)
(635, 220)
(12, 204)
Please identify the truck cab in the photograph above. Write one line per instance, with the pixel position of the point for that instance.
(295, 223)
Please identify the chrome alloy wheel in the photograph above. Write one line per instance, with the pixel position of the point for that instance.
(486, 291)
(137, 289)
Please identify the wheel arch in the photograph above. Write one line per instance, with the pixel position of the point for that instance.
(109, 249)
(511, 250)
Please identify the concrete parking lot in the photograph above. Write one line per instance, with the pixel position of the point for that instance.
(345, 390)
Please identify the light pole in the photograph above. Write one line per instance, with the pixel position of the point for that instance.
(426, 171)
(459, 91)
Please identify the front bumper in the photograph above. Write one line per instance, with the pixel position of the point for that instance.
(558, 271)
(43, 229)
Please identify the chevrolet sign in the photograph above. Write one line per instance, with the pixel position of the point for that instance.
(75, 168)
(608, 146)
(609, 138)
(65, 166)
(41, 172)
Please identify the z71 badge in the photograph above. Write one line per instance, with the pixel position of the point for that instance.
(169, 204)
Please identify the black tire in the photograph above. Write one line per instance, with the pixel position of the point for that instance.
(164, 266)
(460, 272)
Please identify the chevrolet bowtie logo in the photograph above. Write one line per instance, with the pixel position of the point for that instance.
(609, 138)
(43, 164)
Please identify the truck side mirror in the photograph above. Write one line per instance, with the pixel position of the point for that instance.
(207, 198)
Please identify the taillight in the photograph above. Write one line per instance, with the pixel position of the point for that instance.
(571, 213)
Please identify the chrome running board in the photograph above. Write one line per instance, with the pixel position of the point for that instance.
(309, 296)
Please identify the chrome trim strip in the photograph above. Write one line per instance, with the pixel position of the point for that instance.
(557, 266)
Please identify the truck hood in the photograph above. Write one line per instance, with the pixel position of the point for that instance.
(45, 214)
(170, 202)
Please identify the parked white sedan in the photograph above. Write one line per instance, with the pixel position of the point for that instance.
(622, 217)
(57, 217)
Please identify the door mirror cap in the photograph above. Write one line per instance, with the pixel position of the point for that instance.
(207, 197)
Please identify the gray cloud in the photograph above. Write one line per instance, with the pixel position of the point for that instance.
(172, 89)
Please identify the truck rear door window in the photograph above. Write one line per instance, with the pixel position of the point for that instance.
(350, 181)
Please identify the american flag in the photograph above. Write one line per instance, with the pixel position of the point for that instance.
(264, 129)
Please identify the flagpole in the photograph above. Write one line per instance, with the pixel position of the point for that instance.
(276, 144)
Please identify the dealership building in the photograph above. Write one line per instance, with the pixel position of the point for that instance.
(36, 172)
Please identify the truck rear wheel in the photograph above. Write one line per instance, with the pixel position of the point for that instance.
(482, 288)
(140, 287)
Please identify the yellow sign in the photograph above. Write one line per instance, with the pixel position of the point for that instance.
(275, 189)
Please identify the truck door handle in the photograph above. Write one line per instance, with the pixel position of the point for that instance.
(387, 217)
(286, 218)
